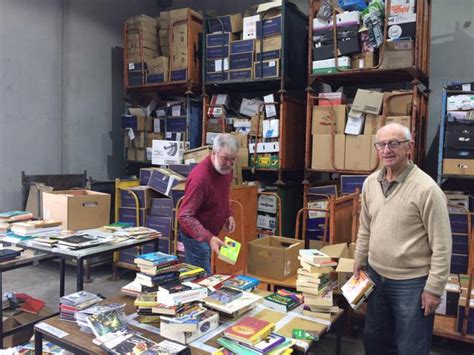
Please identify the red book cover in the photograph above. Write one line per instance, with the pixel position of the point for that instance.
(249, 330)
(32, 305)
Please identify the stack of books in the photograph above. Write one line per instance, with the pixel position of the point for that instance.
(356, 291)
(283, 300)
(80, 241)
(36, 227)
(239, 282)
(9, 253)
(15, 216)
(253, 336)
(74, 302)
(191, 320)
(234, 309)
(313, 280)
(137, 232)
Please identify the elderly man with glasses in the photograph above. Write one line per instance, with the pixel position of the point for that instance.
(205, 209)
(404, 243)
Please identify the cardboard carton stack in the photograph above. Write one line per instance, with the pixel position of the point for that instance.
(142, 45)
(360, 34)
(354, 131)
(138, 134)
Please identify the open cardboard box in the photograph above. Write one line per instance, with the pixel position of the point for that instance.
(274, 257)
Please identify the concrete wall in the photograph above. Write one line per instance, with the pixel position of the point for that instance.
(61, 88)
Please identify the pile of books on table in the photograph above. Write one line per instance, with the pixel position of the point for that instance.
(9, 253)
(137, 232)
(158, 268)
(34, 228)
(314, 281)
(75, 302)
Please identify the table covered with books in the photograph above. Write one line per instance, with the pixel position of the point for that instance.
(174, 306)
(85, 244)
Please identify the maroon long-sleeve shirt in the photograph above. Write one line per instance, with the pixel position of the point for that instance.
(205, 206)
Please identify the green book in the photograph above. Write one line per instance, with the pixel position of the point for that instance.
(229, 252)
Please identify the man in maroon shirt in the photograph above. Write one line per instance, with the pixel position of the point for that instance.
(205, 208)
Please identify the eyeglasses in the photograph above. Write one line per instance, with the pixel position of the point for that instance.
(391, 144)
(226, 160)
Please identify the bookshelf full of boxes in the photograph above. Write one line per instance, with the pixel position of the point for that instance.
(163, 50)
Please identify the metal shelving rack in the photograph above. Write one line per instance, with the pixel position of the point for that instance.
(287, 89)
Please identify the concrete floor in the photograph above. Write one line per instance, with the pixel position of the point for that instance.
(42, 281)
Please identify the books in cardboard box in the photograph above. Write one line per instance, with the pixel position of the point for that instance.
(357, 290)
(249, 330)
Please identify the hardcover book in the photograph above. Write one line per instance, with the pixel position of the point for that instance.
(280, 303)
(106, 322)
(162, 278)
(146, 300)
(249, 330)
(229, 252)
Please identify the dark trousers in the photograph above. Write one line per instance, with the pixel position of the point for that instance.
(395, 322)
(196, 253)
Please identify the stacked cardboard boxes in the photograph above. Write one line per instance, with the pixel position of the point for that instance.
(351, 146)
(138, 134)
(142, 45)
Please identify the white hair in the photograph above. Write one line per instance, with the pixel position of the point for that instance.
(406, 131)
(225, 140)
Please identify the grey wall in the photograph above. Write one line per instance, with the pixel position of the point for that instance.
(60, 80)
(60, 88)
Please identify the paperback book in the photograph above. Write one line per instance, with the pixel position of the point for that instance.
(155, 259)
(229, 252)
(242, 282)
(225, 295)
(356, 291)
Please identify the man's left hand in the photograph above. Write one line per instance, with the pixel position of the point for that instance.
(230, 224)
(429, 302)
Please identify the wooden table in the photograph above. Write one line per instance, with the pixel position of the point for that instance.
(445, 326)
(271, 283)
(81, 343)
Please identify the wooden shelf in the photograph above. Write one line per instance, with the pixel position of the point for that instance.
(445, 327)
(176, 87)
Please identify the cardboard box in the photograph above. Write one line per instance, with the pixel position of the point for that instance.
(274, 257)
(241, 61)
(367, 101)
(228, 23)
(242, 139)
(322, 121)
(321, 152)
(267, 69)
(145, 174)
(164, 225)
(163, 180)
(270, 26)
(328, 66)
(161, 207)
(398, 105)
(143, 193)
(250, 107)
(242, 46)
(399, 7)
(403, 120)
(364, 60)
(218, 39)
(158, 65)
(129, 215)
(270, 43)
(166, 152)
(360, 153)
(197, 155)
(372, 123)
(13, 319)
(398, 54)
(250, 27)
(164, 20)
(242, 74)
(136, 120)
(243, 157)
(402, 26)
(265, 160)
(334, 98)
(77, 209)
(355, 123)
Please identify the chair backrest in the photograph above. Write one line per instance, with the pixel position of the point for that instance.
(57, 181)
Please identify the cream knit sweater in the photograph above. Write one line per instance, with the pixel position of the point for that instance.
(407, 234)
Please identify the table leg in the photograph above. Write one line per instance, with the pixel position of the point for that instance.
(338, 325)
(80, 274)
(38, 343)
(62, 277)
